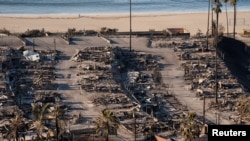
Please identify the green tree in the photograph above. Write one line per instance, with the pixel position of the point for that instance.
(189, 128)
(105, 122)
(234, 4)
(226, 1)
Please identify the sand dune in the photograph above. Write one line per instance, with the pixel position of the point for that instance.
(140, 22)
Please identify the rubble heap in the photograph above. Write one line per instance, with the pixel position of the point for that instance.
(95, 70)
(202, 70)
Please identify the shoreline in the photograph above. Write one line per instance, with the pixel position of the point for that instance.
(127, 12)
(56, 15)
(191, 21)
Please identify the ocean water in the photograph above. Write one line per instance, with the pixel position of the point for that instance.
(108, 6)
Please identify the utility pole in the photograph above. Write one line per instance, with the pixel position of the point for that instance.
(130, 29)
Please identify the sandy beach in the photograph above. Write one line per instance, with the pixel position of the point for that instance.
(140, 22)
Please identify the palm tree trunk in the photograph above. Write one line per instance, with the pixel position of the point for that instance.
(216, 56)
(212, 18)
(226, 18)
(107, 137)
(57, 130)
(217, 23)
(209, 2)
(17, 136)
(234, 19)
(130, 24)
(241, 118)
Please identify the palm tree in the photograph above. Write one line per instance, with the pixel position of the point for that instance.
(38, 117)
(234, 3)
(212, 16)
(130, 24)
(208, 17)
(15, 126)
(38, 111)
(217, 10)
(243, 107)
(189, 128)
(105, 122)
(57, 113)
(151, 129)
(47, 138)
(226, 1)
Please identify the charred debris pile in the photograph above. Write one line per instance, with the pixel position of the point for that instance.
(202, 70)
(131, 82)
(95, 71)
(27, 84)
